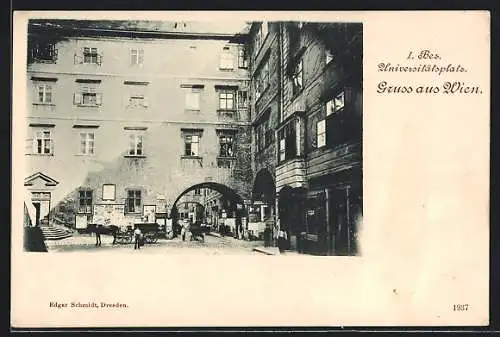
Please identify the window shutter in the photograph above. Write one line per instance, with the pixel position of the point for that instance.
(77, 98)
(98, 98)
(51, 143)
(99, 59)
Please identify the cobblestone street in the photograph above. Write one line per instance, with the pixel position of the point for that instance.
(212, 246)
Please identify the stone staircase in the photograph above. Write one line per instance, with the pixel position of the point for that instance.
(55, 232)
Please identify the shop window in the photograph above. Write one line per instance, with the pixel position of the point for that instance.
(321, 133)
(85, 201)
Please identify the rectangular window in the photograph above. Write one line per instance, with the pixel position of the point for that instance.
(262, 80)
(137, 101)
(90, 55)
(321, 133)
(197, 191)
(42, 142)
(288, 142)
(45, 93)
(88, 96)
(336, 104)
(242, 99)
(87, 143)
(191, 145)
(136, 145)
(137, 56)
(226, 100)
(297, 78)
(134, 201)
(193, 99)
(227, 59)
(226, 146)
(85, 201)
(43, 52)
(242, 58)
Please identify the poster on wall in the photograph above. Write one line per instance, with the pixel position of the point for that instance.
(149, 213)
(81, 221)
(109, 215)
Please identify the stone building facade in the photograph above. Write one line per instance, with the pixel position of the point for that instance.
(132, 115)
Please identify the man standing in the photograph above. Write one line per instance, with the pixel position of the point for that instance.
(98, 236)
(138, 236)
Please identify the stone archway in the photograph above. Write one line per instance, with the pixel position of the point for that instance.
(233, 202)
(291, 206)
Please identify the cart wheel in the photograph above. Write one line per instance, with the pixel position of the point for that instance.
(149, 239)
(155, 239)
(128, 239)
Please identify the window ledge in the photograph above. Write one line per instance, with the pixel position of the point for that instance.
(87, 105)
(229, 158)
(191, 157)
(226, 69)
(134, 156)
(84, 155)
(44, 104)
(226, 110)
(41, 154)
(191, 110)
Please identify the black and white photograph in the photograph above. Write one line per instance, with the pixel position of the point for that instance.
(215, 137)
(181, 169)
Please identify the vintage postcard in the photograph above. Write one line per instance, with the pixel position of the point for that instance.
(232, 169)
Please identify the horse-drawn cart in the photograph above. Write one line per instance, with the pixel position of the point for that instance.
(150, 231)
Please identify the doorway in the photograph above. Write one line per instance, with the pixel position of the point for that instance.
(37, 213)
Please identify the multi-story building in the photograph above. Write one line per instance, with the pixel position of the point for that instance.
(131, 115)
(263, 47)
(319, 136)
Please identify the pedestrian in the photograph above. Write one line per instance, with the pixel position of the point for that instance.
(267, 236)
(282, 239)
(98, 236)
(138, 238)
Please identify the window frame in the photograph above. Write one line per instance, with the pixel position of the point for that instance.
(133, 148)
(226, 99)
(87, 142)
(46, 90)
(43, 140)
(188, 139)
(90, 54)
(86, 199)
(322, 134)
(298, 73)
(223, 140)
(134, 197)
(137, 56)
